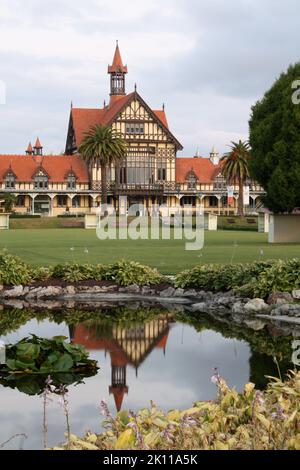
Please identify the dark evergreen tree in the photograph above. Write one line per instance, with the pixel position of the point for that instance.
(275, 142)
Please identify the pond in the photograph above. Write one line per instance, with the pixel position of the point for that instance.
(144, 353)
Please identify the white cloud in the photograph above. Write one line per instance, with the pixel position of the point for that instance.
(208, 61)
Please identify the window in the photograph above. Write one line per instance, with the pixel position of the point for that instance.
(10, 180)
(220, 183)
(41, 181)
(62, 201)
(76, 201)
(213, 201)
(134, 128)
(192, 180)
(161, 174)
(71, 181)
(20, 202)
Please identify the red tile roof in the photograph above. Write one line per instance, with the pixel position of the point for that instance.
(117, 65)
(85, 118)
(162, 117)
(203, 168)
(57, 167)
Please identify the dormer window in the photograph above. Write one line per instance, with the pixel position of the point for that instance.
(10, 180)
(41, 180)
(192, 180)
(71, 181)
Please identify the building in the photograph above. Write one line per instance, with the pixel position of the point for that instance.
(151, 173)
(127, 347)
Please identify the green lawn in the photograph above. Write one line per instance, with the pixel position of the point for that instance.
(169, 256)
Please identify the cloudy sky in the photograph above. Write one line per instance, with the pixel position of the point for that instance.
(207, 60)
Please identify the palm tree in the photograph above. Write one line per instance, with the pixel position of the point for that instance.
(9, 200)
(102, 147)
(235, 168)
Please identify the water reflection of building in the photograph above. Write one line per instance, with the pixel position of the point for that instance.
(126, 346)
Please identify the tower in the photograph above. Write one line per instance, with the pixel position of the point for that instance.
(118, 384)
(38, 148)
(214, 156)
(29, 150)
(117, 72)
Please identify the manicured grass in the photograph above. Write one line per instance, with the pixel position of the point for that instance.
(53, 246)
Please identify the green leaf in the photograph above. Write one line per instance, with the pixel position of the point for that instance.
(28, 350)
(64, 363)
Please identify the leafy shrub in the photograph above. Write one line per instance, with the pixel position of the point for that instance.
(283, 276)
(13, 271)
(39, 273)
(24, 216)
(74, 272)
(125, 273)
(256, 279)
(68, 216)
(251, 420)
(210, 277)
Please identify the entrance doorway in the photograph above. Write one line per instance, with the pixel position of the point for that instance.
(42, 205)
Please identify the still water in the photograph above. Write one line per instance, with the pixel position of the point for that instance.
(164, 359)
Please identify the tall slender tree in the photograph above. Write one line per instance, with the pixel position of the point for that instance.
(102, 147)
(236, 168)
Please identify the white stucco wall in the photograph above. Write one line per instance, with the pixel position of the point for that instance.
(284, 229)
(4, 221)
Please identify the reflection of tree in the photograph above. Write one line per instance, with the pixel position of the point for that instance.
(262, 365)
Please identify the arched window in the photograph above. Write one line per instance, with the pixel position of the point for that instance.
(71, 181)
(10, 180)
(191, 180)
(41, 180)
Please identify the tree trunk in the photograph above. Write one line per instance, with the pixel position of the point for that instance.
(103, 184)
(241, 198)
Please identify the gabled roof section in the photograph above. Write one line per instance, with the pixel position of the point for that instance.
(204, 169)
(40, 169)
(83, 119)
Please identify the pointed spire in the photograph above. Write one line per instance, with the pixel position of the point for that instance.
(117, 65)
(29, 150)
(38, 144)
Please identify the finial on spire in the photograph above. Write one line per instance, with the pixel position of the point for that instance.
(104, 104)
(71, 104)
(163, 106)
(135, 87)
